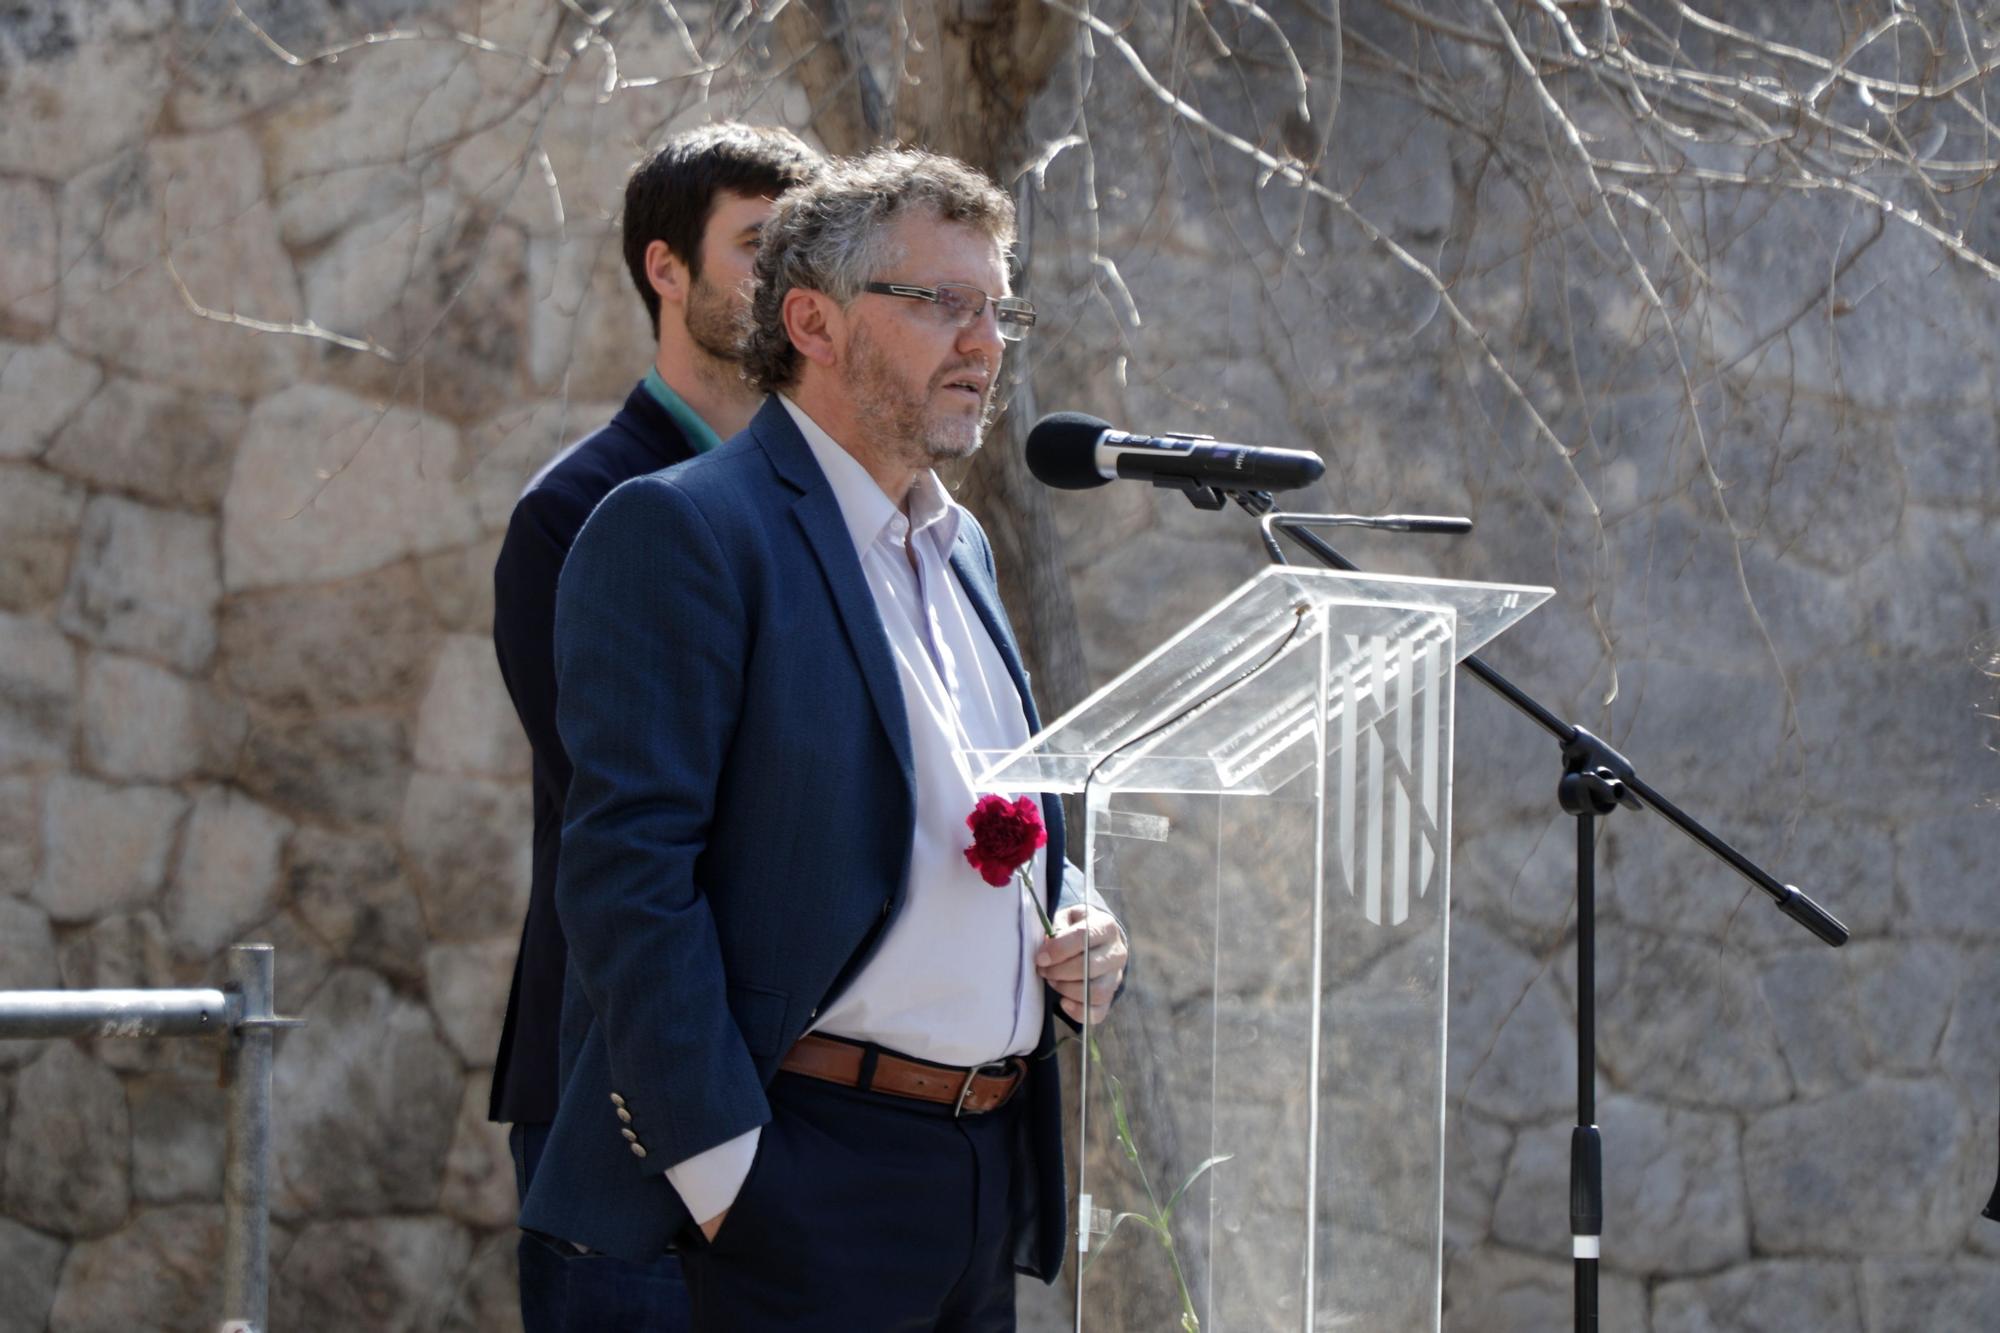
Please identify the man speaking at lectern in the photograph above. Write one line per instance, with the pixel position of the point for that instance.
(803, 1037)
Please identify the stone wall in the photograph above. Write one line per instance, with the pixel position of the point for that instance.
(279, 343)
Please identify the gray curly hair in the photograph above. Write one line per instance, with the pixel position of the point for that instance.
(832, 235)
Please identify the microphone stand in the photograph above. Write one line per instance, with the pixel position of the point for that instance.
(1596, 781)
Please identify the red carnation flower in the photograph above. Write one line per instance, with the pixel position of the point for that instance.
(1005, 836)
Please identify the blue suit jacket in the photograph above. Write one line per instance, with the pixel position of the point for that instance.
(738, 826)
(642, 438)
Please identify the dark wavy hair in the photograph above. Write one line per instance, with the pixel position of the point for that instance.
(670, 195)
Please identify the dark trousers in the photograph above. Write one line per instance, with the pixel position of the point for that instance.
(566, 1292)
(865, 1213)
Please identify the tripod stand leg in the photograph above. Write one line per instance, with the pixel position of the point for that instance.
(1586, 1151)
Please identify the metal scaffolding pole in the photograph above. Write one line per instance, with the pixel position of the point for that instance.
(242, 1015)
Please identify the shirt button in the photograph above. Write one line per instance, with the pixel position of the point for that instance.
(638, 1150)
(616, 1100)
(630, 1137)
(625, 1115)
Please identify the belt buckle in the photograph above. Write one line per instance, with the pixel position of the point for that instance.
(995, 1067)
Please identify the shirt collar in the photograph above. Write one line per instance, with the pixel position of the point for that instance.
(864, 506)
(701, 436)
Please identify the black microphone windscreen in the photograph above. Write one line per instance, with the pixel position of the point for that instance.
(1062, 451)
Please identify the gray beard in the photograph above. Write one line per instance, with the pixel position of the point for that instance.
(906, 424)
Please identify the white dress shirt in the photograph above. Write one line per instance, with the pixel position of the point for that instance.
(953, 979)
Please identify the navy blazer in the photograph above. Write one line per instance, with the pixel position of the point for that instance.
(738, 827)
(642, 438)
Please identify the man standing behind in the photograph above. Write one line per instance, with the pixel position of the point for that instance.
(693, 212)
(807, 1042)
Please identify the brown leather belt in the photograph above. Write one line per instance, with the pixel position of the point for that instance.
(966, 1091)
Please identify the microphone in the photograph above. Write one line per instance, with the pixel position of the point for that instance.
(1073, 451)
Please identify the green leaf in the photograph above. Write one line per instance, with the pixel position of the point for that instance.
(1175, 1199)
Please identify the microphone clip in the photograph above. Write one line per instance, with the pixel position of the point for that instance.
(1199, 495)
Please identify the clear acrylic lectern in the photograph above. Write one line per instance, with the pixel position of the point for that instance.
(1259, 1139)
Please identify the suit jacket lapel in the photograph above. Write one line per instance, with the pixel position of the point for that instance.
(818, 514)
(985, 599)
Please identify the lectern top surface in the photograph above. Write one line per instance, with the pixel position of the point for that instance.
(1218, 706)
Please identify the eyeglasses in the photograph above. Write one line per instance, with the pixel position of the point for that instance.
(961, 305)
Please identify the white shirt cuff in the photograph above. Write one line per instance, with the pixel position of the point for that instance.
(708, 1182)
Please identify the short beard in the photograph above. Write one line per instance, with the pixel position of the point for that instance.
(909, 428)
(716, 322)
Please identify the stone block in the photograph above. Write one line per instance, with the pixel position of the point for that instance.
(488, 1299)
(349, 769)
(27, 947)
(28, 262)
(1521, 871)
(472, 881)
(325, 646)
(313, 210)
(179, 1125)
(467, 724)
(20, 835)
(85, 86)
(43, 384)
(232, 78)
(1512, 1050)
(327, 485)
(1947, 454)
(159, 1272)
(340, 122)
(105, 848)
(479, 1170)
(29, 1263)
(69, 1145)
(365, 1057)
(190, 208)
(1475, 1156)
(227, 877)
(1971, 1048)
(125, 952)
(1926, 1296)
(1903, 995)
(1673, 1180)
(171, 447)
(1492, 1290)
(1870, 1171)
(371, 1275)
(468, 985)
(1943, 865)
(350, 890)
(140, 722)
(39, 514)
(588, 335)
(145, 581)
(1683, 1023)
(455, 306)
(1760, 1298)
(459, 585)
(1858, 708)
(1930, 575)
(27, 962)
(1811, 997)
(38, 689)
